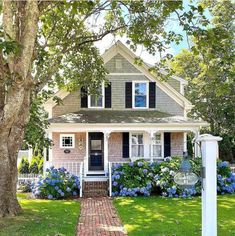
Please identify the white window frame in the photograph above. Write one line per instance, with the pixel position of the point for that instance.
(147, 94)
(67, 135)
(103, 99)
(162, 145)
(130, 142)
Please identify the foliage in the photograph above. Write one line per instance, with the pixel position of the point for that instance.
(24, 166)
(143, 178)
(36, 164)
(57, 184)
(35, 135)
(170, 216)
(209, 68)
(25, 186)
(42, 217)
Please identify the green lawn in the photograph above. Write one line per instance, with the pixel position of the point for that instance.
(155, 216)
(42, 217)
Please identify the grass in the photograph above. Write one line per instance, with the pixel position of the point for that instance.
(42, 217)
(155, 216)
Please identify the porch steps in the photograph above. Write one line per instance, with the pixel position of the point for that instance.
(95, 189)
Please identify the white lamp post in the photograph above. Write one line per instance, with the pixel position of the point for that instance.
(186, 178)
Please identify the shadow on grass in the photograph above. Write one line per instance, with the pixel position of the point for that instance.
(163, 216)
(42, 217)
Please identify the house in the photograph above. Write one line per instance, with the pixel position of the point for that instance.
(136, 116)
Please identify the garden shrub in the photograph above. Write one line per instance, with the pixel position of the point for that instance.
(225, 178)
(25, 186)
(33, 167)
(57, 184)
(143, 178)
(24, 166)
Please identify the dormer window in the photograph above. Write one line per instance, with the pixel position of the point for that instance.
(140, 94)
(97, 100)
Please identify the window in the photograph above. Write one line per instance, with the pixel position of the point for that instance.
(118, 64)
(140, 98)
(97, 101)
(67, 141)
(157, 145)
(137, 145)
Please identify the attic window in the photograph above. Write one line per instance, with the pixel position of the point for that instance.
(118, 63)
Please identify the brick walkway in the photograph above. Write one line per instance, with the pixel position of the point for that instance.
(99, 218)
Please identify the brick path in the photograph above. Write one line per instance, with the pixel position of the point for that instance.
(99, 218)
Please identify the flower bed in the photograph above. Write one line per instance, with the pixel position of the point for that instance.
(57, 184)
(144, 178)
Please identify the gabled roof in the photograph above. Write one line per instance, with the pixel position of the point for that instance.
(120, 48)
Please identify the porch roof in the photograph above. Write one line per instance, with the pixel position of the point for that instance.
(121, 117)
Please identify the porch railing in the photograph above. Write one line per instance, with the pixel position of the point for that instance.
(73, 167)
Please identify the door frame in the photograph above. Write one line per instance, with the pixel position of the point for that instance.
(88, 153)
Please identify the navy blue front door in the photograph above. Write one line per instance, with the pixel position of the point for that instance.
(96, 147)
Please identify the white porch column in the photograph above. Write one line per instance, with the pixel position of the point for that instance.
(209, 145)
(106, 150)
(50, 157)
(197, 151)
(185, 142)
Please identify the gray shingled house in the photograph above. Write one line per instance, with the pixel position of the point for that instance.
(136, 116)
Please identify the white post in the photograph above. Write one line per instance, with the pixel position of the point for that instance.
(106, 150)
(209, 187)
(185, 141)
(196, 145)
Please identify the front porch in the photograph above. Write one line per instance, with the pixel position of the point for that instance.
(93, 150)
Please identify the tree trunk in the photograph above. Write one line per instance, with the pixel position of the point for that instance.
(11, 139)
(8, 180)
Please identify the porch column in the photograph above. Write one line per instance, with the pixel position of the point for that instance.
(106, 150)
(50, 149)
(185, 141)
(197, 151)
(151, 137)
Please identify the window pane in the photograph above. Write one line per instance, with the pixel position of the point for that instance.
(97, 100)
(134, 139)
(137, 139)
(140, 101)
(137, 150)
(157, 139)
(140, 89)
(140, 95)
(96, 145)
(67, 141)
(157, 151)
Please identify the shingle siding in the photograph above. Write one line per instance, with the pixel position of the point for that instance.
(174, 83)
(164, 103)
(127, 67)
(71, 103)
(118, 88)
(177, 144)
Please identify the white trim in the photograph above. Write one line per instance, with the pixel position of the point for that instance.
(67, 135)
(126, 73)
(50, 153)
(133, 93)
(103, 99)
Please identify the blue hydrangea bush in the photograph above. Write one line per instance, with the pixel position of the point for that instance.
(144, 178)
(225, 178)
(57, 184)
